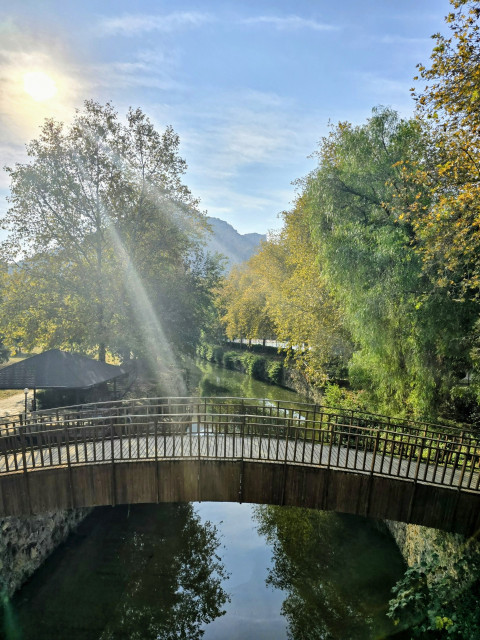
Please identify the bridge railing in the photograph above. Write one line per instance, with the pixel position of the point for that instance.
(308, 411)
(224, 429)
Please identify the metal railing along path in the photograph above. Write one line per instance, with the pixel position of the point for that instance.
(242, 429)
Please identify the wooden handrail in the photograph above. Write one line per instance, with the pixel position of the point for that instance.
(236, 428)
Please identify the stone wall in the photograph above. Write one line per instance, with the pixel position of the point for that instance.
(296, 381)
(417, 543)
(26, 542)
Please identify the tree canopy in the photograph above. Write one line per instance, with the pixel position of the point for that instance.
(106, 239)
(281, 293)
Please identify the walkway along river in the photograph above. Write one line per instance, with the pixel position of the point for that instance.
(163, 571)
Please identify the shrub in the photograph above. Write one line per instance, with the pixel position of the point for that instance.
(255, 366)
(229, 359)
(209, 353)
(217, 355)
(275, 372)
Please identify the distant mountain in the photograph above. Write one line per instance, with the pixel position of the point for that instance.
(236, 247)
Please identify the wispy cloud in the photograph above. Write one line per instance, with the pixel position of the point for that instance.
(290, 23)
(380, 86)
(136, 24)
(404, 40)
(248, 138)
(148, 69)
(244, 129)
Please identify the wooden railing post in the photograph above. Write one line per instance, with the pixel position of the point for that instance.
(419, 460)
(112, 453)
(69, 466)
(331, 444)
(374, 454)
(242, 431)
(24, 447)
(157, 473)
(25, 470)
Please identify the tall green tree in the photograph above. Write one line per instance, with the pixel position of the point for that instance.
(242, 303)
(409, 337)
(106, 238)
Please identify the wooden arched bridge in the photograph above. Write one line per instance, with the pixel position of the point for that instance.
(246, 450)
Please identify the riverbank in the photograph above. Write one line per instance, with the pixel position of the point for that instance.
(416, 543)
(263, 364)
(26, 542)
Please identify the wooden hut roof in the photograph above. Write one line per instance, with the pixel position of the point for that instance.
(55, 369)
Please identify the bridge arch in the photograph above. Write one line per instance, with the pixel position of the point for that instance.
(237, 450)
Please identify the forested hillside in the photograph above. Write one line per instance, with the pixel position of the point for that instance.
(234, 246)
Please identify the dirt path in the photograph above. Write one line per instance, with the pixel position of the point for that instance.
(14, 405)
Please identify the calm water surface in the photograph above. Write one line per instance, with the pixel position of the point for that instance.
(212, 570)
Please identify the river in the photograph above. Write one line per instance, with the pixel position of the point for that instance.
(212, 570)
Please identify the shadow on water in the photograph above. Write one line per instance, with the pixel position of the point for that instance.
(148, 571)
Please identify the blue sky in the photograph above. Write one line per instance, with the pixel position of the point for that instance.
(249, 86)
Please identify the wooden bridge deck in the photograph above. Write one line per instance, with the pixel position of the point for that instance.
(251, 448)
(442, 460)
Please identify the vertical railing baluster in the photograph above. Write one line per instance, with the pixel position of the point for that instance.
(243, 425)
(331, 445)
(399, 468)
(137, 431)
(462, 472)
(23, 447)
(419, 459)
(457, 454)
(348, 448)
(313, 439)
(472, 467)
(374, 454)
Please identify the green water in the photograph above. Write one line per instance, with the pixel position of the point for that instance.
(211, 380)
(212, 570)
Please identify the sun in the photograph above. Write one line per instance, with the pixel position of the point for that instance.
(39, 85)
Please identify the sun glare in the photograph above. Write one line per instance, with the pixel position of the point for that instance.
(39, 85)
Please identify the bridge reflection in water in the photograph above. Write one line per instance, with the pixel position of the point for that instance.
(245, 450)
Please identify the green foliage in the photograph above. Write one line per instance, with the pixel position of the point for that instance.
(260, 367)
(280, 292)
(410, 342)
(438, 596)
(217, 355)
(4, 351)
(275, 372)
(229, 359)
(108, 242)
(242, 304)
(335, 396)
(254, 366)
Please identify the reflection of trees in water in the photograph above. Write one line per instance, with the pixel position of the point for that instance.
(209, 380)
(142, 572)
(336, 570)
(174, 580)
